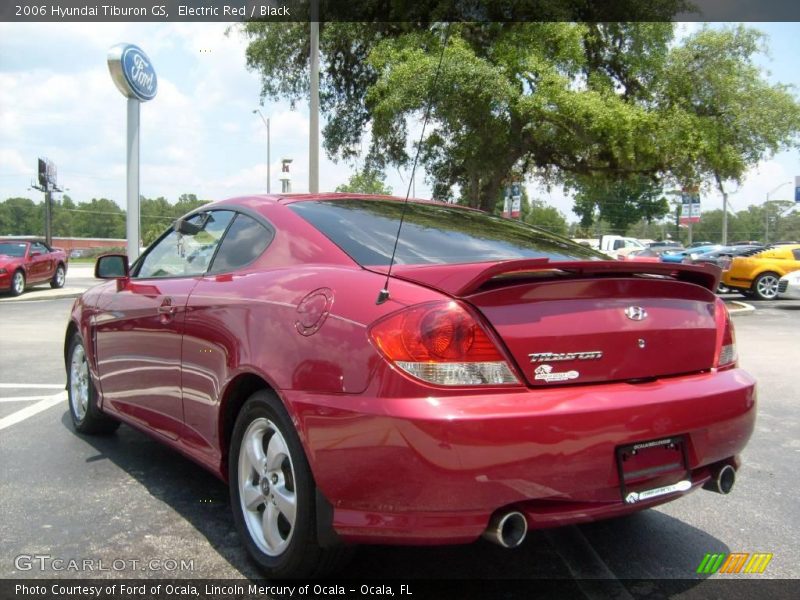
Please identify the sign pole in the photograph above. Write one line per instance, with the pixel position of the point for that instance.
(48, 217)
(134, 75)
(132, 221)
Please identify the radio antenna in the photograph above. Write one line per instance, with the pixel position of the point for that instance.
(383, 295)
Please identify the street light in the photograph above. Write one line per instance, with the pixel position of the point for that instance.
(766, 210)
(266, 122)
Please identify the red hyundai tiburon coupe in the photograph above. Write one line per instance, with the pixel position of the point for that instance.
(510, 379)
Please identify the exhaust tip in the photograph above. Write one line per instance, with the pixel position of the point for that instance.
(722, 481)
(507, 530)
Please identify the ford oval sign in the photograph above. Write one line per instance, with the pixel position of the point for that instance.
(132, 72)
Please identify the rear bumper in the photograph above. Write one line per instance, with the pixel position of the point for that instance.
(434, 469)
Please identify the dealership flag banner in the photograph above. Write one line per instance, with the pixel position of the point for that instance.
(690, 205)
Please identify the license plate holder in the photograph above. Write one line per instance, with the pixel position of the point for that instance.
(653, 468)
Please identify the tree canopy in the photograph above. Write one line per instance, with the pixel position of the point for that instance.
(96, 218)
(583, 104)
(366, 181)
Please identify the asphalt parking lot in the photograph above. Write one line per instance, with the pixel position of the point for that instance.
(127, 498)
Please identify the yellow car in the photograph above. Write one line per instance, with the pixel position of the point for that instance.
(758, 274)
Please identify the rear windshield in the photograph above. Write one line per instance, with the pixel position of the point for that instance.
(431, 234)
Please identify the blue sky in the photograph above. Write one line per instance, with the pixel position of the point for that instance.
(199, 135)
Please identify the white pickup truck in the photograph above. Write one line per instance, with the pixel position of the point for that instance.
(614, 245)
(619, 246)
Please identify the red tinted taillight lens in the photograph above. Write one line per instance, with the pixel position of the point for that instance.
(441, 343)
(726, 355)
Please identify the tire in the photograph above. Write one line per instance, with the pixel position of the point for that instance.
(59, 277)
(273, 491)
(17, 283)
(765, 286)
(82, 396)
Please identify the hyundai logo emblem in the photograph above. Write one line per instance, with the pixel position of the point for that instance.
(636, 313)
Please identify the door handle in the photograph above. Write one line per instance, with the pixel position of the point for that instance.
(167, 308)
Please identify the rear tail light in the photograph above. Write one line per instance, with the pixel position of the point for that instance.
(442, 343)
(726, 355)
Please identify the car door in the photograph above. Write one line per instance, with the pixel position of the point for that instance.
(39, 265)
(139, 329)
(212, 335)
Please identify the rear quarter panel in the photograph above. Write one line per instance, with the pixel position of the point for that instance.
(298, 328)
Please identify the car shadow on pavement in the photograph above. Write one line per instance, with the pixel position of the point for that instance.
(645, 545)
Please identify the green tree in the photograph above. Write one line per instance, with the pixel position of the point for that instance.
(155, 215)
(565, 101)
(366, 181)
(731, 117)
(505, 100)
(619, 202)
(21, 216)
(63, 215)
(99, 218)
(546, 217)
(187, 203)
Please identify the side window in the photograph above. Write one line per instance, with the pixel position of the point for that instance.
(245, 241)
(796, 253)
(619, 244)
(182, 255)
(39, 247)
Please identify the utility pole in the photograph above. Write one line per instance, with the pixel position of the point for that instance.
(313, 134)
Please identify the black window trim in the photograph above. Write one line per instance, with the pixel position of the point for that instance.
(270, 230)
(236, 210)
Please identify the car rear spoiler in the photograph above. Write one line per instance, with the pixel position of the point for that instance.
(464, 279)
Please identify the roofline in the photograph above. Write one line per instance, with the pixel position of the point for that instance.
(292, 198)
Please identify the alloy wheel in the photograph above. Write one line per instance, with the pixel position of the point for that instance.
(267, 487)
(79, 382)
(767, 287)
(18, 283)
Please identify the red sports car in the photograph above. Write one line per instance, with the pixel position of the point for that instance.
(499, 379)
(28, 262)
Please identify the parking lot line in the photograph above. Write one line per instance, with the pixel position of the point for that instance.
(24, 398)
(32, 410)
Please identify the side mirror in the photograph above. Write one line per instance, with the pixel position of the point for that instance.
(111, 266)
(184, 227)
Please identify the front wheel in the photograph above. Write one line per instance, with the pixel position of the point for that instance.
(86, 416)
(59, 277)
(765, 286)
(273, 493)
(17, 283)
